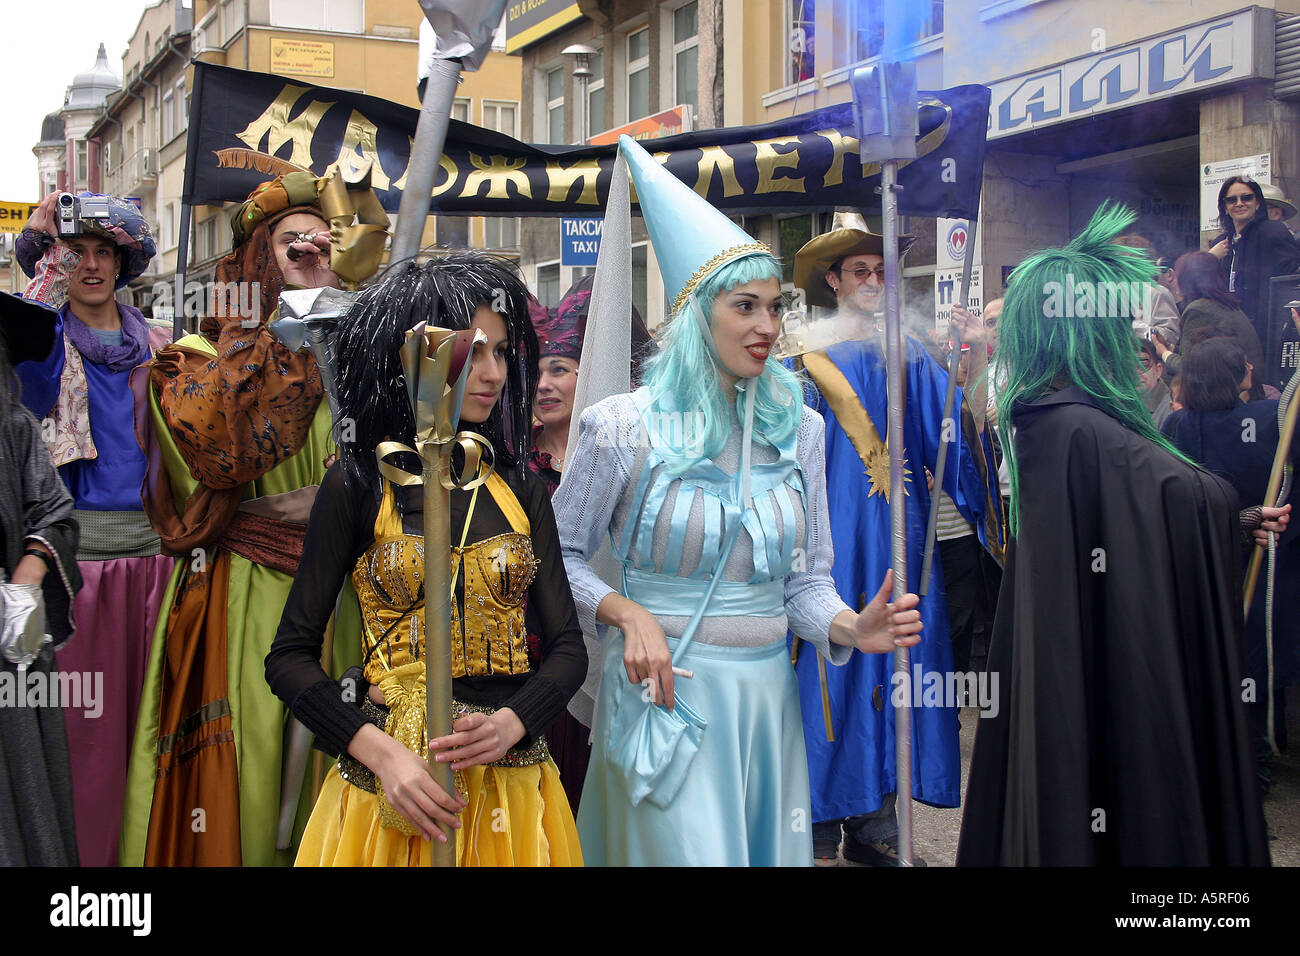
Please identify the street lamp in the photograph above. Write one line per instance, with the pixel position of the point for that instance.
(581, 54)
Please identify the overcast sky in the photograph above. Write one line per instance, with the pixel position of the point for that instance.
(50, 42)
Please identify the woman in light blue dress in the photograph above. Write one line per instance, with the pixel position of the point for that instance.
(709, 482)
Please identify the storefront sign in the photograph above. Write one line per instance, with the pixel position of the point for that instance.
(1213, 175)
(13, 215)
(666, 123)
(1218, 52)
(528, 21)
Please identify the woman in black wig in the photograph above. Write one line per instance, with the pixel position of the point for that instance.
(380, 806)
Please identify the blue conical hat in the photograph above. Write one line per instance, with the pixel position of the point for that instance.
(690, 237)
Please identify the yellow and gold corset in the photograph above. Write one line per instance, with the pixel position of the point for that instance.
(487, 639)
(490, 637)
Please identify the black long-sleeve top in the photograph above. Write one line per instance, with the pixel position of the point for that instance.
(1264, 249)
(340, 530)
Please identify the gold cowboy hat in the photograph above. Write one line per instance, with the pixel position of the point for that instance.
(1274, 197)
(849, 236)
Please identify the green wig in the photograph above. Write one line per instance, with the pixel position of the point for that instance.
(1067, 320)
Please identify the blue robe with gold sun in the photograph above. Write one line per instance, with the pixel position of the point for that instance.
(851, 775)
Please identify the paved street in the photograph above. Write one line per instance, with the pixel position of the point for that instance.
(936, 830)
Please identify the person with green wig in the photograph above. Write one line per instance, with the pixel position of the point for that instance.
(1120, 736)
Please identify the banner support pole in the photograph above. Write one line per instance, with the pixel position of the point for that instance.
(182, 260)
(949, 399)
(426, 154)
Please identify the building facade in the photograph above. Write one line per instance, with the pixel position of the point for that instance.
(135, 136)
(66, 159)
(1143, 102)
(140, 135)
(659, 59)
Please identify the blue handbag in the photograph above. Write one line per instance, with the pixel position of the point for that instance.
(653, 746)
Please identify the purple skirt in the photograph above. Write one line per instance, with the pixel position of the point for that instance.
(104, 665)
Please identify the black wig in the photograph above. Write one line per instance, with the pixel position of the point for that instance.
(444, 291)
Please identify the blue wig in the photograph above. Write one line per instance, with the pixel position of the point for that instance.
(683, 379)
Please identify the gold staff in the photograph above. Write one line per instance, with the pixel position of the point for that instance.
(436, 362)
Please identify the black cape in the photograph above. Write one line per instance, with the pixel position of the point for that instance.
(1120, 736)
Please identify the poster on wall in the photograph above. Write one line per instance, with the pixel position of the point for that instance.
(950, 239)
(947, 289)
(1213, 175)
(580, 241)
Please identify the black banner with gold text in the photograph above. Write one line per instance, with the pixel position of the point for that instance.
(245, 127)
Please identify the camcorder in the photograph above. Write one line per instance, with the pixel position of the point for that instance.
(72, 212)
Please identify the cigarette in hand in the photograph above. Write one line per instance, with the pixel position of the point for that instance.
(683, 672)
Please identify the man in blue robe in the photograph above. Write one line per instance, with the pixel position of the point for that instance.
(854, 778)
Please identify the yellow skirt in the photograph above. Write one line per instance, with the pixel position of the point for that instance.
(517, 816)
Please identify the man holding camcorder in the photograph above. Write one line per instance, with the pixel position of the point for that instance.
(80, 249)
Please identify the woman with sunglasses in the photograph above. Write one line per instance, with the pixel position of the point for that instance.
(1253, 249)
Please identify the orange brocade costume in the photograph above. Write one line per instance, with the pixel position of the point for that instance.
(517, 813)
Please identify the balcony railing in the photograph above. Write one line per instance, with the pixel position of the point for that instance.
(137, 170)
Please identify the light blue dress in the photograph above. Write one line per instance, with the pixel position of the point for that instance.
(744, 798)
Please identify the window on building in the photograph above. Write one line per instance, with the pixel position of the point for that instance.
(167, 237)
(933, 25)
(337, 16)
(460, 109)
(500, 233)
(206, 237)
(168, 117)
(182, 107)
(801, 17)
(82, 162)
(502, 116)
(596, 93)
(686, 55)
(638, 74)
(548, 284)
(232, 19)
(793, 232)
(866, 34)
(452, 232)
(555, 105)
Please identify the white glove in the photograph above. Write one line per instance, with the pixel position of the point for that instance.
(22, 611)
